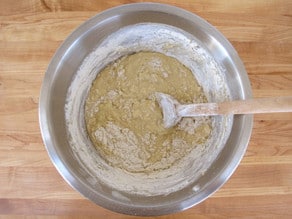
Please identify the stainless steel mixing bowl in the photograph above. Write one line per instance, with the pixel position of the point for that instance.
(64, 66)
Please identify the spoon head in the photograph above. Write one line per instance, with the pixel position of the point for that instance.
(169, 109)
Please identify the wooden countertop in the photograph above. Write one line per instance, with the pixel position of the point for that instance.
(30, 33)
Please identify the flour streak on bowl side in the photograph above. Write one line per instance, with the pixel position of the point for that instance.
(63, 71)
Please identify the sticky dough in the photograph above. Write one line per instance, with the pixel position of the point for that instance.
(124, 121)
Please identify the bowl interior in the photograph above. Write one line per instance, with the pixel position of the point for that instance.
(66, 63)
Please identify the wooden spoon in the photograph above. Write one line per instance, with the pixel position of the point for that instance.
(173, 111)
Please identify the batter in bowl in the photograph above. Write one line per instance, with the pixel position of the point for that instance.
(124, 121)
(114, 123)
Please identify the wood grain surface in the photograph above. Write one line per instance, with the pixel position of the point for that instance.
(30, 33)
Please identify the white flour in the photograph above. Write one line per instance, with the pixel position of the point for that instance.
(172, 42)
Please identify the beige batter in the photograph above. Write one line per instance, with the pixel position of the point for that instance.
(124, 120)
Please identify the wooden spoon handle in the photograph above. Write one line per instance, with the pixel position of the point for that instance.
(251, 106)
